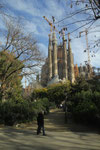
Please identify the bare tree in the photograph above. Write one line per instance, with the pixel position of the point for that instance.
(23, 47)
(89, 8)
(82, 15)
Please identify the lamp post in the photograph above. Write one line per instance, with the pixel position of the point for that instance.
(65, 107)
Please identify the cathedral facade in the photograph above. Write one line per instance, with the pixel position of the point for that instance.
(59, 65)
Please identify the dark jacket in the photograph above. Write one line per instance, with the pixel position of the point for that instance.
(40, 119)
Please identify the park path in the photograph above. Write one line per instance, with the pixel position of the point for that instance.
(60, 136)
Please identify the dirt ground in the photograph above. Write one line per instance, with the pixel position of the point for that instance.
(60, 135)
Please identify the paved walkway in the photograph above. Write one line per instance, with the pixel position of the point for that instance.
(60, 136)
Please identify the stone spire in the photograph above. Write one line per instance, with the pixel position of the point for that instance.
(55, 66)
(70, 62)
(50, 57)
(65, 72)
(76, 71)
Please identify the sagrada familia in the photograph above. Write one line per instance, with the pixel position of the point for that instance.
(59, 65)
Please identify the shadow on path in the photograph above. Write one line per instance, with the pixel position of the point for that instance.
(55, 121)
(60, 136)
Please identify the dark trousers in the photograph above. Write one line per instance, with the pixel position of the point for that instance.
(39, 129)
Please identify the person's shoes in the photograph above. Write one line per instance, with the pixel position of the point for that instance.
(44, 134)
(37, 133)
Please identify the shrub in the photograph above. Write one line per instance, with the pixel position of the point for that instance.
(46, 105)
(56, 92)
(85, 111)
(11, 112)
(21, 111)
(39, 93)
(52, 105)
(41, 104)
(84, 106)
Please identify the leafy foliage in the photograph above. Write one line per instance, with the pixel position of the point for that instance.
(42, 104)
(21, 111)
(12, 112)
(10, 75)
(84, 102)
(39, 93)
(55, 93)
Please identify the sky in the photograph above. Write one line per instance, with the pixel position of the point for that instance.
(31, 13)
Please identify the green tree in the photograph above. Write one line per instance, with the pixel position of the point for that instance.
(56, 92)
(79, 85)
(10, 75)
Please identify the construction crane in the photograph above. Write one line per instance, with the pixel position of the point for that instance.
(61, 33)
(50, 23)
(88, 52)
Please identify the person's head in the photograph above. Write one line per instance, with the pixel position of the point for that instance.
(41, 112)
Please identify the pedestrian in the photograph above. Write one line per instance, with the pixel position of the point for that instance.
(40, 123)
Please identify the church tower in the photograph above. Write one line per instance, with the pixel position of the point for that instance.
(65, 72)
(54, 64)
(50, 58)
(70, 62)
(59, 66)
(76, 71)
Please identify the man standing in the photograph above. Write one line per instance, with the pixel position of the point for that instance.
(40, 123)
